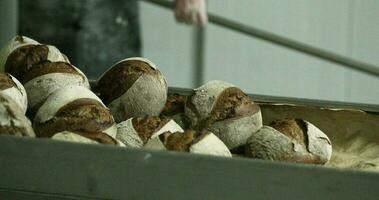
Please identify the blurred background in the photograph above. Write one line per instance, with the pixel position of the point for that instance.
(347, 27)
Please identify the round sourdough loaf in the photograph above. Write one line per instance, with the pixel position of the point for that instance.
(43, 79)
(40, 68)
(133, 87)
(294, 140)
(75, 109)
(224, 110)
(15, 43)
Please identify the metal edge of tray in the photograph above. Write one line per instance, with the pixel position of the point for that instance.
(370, 108)
(46, 169)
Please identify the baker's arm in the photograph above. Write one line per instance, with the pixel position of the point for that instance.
(191, 11)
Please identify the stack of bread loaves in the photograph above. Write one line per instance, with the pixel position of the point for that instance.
(40, 68)
(136, 92)
(58, 94)
(225, 110)
(215, 119)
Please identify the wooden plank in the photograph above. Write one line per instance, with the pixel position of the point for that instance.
(95, 171)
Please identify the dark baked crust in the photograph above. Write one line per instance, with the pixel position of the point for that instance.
(179, 141)
(6, 81)
(23, 58)
(296, 131)
(174, 105)
(48, 67)
(292, 128)
(147, 126)
(30, 61)
(231, 103)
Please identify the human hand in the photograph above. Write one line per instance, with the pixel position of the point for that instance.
(191, 11)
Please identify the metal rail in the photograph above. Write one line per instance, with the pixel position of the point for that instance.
(263, 99)
(284, 42)
(370, 108)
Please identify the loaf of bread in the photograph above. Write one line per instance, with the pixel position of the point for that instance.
(133, 87)
(294, 140)
(40, 68)
(12, 119)
(224, 110)
(11, 87)
(75, 109)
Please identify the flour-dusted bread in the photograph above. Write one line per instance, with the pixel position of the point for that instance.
(145, 131)
(133, 87)
(11, 87)
(75, 109)
(12, 119)
(224, 110)
(196, 142)
(294, 140)
(40, 68)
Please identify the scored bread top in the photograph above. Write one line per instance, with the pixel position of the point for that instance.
(294, 140)
(6, 81)
(24, 59)
(121, 76)
(14, 43)
(10, 86)
(137, 132)
(17, 42)
(231, 103)
(150, 126)
(84, 115)
(60, 98)
(48, 68)
(203, 98)
(218, 100)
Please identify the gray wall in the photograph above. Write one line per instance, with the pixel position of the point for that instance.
(348, 27)
(8, 20)
(167, 44)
